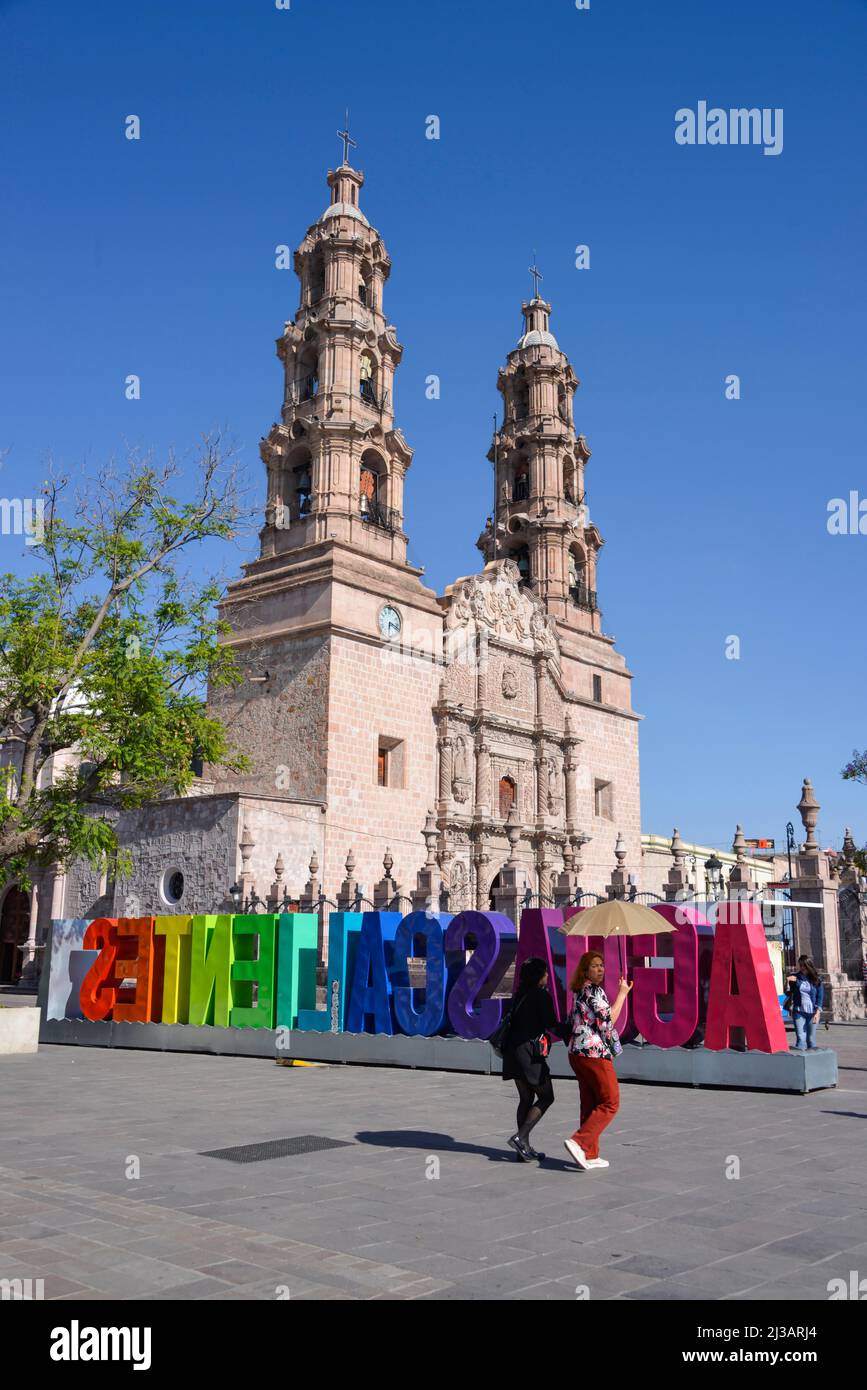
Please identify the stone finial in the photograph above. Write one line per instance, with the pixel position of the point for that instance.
(619, 885)
(279, 868)
(513, 831)
(348, 888)
(430, 839)
(849, 847)
(809, 809)
(385, 891)
(740, 879)
(677, 883)
(310, 896)
(248, 844)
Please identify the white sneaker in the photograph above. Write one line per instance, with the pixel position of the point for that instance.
(576, 1152)
(598, 1163)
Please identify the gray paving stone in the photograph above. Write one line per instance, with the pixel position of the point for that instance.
(365, 1223)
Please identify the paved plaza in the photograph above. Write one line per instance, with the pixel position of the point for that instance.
(371, 1219)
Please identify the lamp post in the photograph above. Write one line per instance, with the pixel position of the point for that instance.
(713, 875)
(790, 845)
(242, 904)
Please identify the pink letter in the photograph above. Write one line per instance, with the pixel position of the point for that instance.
(746, 996)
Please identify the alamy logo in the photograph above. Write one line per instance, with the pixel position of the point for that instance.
(76, 1343)
(737, 126)
(847, 517)
(21, 1289)
(15, 521)
(856, 1288)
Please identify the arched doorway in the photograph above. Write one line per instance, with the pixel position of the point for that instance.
(14, 930)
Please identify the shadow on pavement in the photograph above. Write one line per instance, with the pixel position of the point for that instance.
(444, 1143)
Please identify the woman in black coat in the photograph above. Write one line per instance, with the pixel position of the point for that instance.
(532, 1016)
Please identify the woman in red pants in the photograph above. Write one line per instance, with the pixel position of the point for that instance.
(593, 1046)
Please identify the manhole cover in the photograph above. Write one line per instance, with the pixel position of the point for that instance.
(276, 1148)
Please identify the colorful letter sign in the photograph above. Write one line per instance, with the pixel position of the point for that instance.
(205, 969)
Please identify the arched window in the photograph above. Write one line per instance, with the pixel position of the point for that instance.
(521, 485)
(521, 398)
(508, 794)
(569, 480)
(365, 285)
(317, 280)
(308, 375)
(368, 379)
(368, 488)
(563, 404)
(521, 558)
(303, 488)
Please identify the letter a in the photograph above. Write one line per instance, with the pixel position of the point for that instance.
(740, 942)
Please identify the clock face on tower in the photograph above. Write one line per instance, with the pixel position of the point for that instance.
(389, 622)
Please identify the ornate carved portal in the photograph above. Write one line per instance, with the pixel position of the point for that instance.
(508, 752)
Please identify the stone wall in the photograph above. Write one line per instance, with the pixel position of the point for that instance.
(377, 692)
(280, 724)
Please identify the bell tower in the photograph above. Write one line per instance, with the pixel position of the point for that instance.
(335, 634)
(541, 511)
(336, 463)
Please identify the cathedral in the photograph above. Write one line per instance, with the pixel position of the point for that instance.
(473, 747)
(497, 714)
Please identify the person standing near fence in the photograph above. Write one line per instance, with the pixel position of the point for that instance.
(806, 995)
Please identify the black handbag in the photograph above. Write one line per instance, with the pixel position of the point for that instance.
(499, 1039)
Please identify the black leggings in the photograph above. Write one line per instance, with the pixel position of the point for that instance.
(533, 1101)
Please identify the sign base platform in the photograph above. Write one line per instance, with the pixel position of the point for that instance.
(798, 1072)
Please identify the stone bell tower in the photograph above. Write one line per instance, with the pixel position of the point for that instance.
(335, 709)
(336, 463)
(542, 516)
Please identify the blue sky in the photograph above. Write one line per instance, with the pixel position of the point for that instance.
(157, 257)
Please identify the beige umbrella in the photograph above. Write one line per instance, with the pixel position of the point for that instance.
(616, 918)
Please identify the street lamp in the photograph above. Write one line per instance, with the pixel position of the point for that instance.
(236, 894)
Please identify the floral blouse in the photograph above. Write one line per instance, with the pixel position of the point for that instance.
(593, 1033)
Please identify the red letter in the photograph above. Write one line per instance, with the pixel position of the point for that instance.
(98, 988)
(740, 942)
(135, 961)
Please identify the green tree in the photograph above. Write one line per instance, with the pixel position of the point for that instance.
(106, 652)
(856, 771)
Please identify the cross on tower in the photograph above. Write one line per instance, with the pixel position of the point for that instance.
(347, 139)
(534, 271)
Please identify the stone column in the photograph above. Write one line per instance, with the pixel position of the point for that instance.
(483, 778)
(29, 976)
(541, 785)
(817, 930)
(445, 780)
(482, 673)
(482, 862)
(570, 769)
